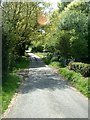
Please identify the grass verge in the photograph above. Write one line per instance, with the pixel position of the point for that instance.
(55, 64)
(41, 55)
(12, 82)
(9, 89)
(77, 80)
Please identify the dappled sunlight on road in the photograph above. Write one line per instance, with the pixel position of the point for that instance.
(42, 78)
(45, 94)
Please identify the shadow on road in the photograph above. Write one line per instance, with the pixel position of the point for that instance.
(36, 62)
(41, 77)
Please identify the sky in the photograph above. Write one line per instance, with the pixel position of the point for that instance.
(54, 3)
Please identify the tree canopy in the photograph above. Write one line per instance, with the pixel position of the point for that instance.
(65, 34)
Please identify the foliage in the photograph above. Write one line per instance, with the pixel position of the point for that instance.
(51, 35)
(23, 62)
(55, 64)
(66, 34)
(41, 55)
(89, 37)
(68, 31)
(76, 80)
(38, 48)
(12, 82)
(73, 25)
(82, 68)
(47, 58)
(19, 28)
(63, 44)
(78, 5)
(9, 89)
(64, 37)
(54, 58)
(62, 6)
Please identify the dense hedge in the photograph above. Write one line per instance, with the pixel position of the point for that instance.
(82, 68)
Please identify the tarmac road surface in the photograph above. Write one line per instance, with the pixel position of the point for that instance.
(45, 94)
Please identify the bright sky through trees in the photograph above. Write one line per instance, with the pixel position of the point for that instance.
(54, 3)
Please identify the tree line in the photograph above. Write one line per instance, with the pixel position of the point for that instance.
(66, 34)
(19, 29)
(69, 34)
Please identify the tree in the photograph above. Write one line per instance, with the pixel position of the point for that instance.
(20, 28)
(63, 44)
(68, 30)
(75, 23)
(62, 6)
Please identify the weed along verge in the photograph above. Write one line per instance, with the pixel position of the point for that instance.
(13, 80)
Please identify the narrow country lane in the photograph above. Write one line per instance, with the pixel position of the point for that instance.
(46, 95)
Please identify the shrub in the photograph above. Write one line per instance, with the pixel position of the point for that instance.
(26, 54)
(47, 58)
(54, 58)
(56, 64)
(82, 68)
(38, 48)
(23, 62)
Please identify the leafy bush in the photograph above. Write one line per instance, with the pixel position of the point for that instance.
(23, 62)
(82, 68)
(38, 48)
(54, 59)
(77, 80)
(56, 64)
(73, 35)
(47, 58)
